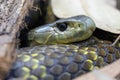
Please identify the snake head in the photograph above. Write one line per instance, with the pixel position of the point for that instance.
(67, 30)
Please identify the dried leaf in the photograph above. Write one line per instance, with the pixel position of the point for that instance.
(106, 17)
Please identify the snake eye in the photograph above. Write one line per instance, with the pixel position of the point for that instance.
(62, 26)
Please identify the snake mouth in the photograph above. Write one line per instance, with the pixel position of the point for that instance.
(41, 35)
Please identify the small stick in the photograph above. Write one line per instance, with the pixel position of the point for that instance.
(117, 39)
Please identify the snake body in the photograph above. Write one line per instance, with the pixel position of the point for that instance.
(63, 61)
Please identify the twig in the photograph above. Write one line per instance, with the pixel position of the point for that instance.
(117, 39)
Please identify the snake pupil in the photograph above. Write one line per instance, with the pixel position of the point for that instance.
(62, 27)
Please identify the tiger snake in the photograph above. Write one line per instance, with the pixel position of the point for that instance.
(55, 59)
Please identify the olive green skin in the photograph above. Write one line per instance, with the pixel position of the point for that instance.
(78, 28)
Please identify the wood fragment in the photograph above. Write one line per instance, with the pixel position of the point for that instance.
(12, 18)
(117, 39)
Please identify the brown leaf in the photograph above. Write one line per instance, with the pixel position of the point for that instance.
(105, 16)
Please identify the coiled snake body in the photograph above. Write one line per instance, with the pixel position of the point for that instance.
(62, 61)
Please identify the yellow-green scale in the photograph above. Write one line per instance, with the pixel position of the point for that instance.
(62, 62)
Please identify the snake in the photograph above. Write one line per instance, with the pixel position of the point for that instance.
(62, 50)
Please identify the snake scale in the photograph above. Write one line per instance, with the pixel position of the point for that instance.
(55, 58)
